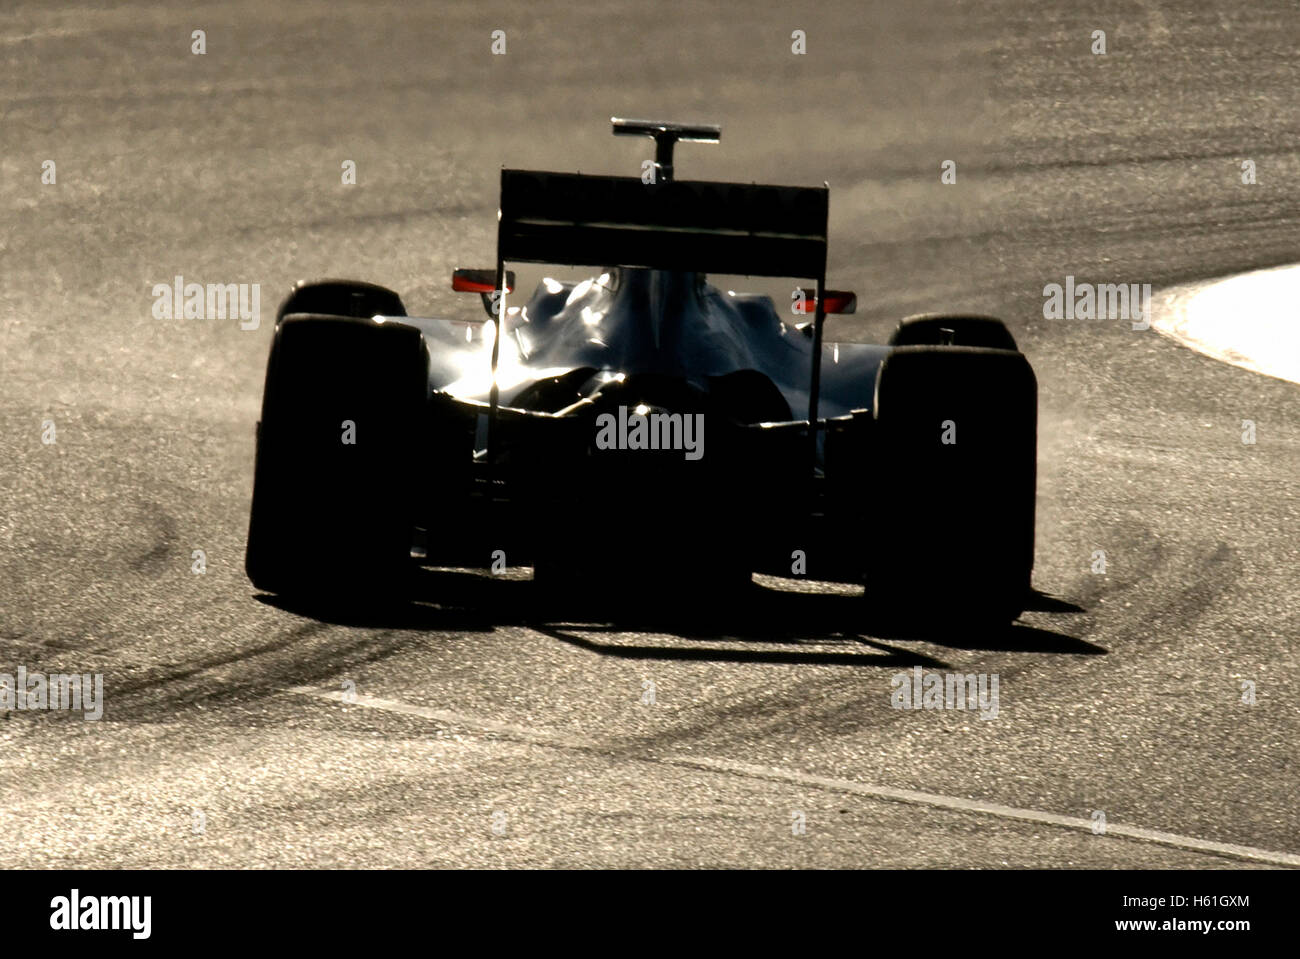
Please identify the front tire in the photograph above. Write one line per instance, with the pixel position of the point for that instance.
(340, 298)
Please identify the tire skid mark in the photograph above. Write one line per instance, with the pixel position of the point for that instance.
(159, 695)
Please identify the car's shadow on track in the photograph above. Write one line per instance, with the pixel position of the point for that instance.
(758, 623)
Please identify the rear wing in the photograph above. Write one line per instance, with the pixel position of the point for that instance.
(740, 228)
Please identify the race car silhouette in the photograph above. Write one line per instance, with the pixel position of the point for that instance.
(642, 426)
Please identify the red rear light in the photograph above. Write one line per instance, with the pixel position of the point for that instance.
(837, 301)
(479, 281)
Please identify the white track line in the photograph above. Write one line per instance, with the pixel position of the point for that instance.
(540, 737)
(887, 793)
(993, 809)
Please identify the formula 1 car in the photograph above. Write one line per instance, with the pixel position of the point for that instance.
(642, 426)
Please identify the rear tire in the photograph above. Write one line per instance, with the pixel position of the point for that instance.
(329, 513)
(957, 432)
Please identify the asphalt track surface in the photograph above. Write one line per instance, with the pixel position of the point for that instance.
(226, 740)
